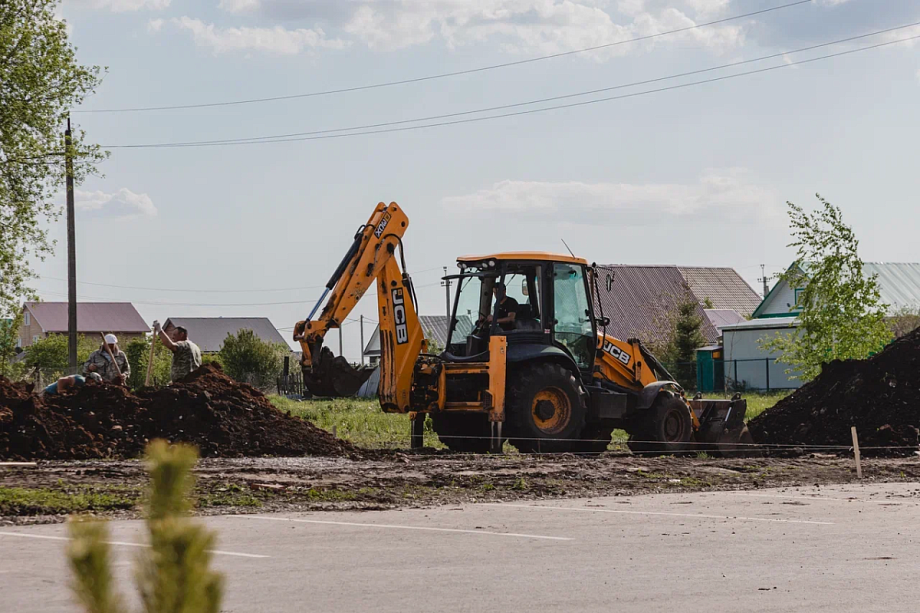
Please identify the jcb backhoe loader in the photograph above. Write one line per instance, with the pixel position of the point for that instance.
(548, 380)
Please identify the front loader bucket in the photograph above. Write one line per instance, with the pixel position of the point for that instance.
(722, 428)
(332, 376)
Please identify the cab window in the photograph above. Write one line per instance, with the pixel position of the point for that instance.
(523, 284)
(573, 327)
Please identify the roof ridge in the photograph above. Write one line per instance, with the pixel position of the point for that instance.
(678, 266)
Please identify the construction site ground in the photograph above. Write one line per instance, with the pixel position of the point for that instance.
(841, 548)
(49, 491)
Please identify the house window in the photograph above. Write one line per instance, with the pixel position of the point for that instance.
(19, 341)
(798, 297)
(27, 319)
(35, 338)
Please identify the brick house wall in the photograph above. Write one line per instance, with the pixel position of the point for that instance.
(28, 332)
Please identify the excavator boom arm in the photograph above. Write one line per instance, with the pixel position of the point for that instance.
(370, 259)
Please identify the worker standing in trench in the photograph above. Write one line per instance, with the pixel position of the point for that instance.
(100, 362)
(186, 354)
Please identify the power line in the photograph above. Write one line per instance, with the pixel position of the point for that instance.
(518, 113)
(191, 304)
(210, 291)
(203, 291)
(446, 74)
(537, 101)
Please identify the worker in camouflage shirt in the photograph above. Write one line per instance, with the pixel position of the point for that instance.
(186, 354)
(100, 362)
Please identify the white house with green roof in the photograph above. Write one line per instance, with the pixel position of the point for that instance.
(899, 285)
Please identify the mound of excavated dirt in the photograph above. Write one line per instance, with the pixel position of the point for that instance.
(221, 417)
(880, 396)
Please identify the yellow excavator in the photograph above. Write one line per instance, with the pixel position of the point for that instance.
(540, 373)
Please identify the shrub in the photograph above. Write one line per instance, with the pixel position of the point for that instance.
(51, 355)
(138, 353)
(249, 359)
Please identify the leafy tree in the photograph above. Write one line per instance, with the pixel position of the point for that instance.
(40, 81)
(249, 359)
(50, 353)
(841, 312)
(174, 574)
(9, 338)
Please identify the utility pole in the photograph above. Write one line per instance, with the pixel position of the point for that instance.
(763, 278)
(446, 285)
(71, 255)
(361, 324)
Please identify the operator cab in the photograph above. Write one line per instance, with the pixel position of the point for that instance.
(553, 306)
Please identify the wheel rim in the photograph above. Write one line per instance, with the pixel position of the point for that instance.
(551, 410)
(673, 427)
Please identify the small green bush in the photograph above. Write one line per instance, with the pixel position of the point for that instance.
(249, 359)
(138, 354)
(51, 353)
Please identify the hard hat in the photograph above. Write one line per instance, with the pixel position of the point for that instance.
(111, 339)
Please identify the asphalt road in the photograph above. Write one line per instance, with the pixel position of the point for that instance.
(835, 548)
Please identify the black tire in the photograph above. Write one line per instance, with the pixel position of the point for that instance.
(594, 438)
(666, 427)
(545, 408)
(463, 432)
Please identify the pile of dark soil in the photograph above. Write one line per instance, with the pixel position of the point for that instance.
(880, 396)
(221, 417)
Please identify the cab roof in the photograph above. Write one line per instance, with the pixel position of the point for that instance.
(525, 255)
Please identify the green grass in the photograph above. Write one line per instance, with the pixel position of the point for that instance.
(757, 402)
(361, 422)
(25, 501)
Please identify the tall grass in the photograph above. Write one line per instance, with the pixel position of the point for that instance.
(356, 420)
(363, 423)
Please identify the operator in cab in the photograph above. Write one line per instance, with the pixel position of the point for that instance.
(506, 309)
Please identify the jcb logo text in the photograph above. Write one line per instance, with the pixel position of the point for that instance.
(399, 316)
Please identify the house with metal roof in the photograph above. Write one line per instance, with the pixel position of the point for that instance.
(435, 328)
(39, 319)
(899, 286)
(209, 332)
(640, 300)
(898, 282)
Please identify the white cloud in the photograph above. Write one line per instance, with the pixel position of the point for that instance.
(122, 203)
(530, 26)
(239, 6)
(273, 40)
(518, 26)
(155, 25)
(708, 7)
(124, 6)
(720, 195)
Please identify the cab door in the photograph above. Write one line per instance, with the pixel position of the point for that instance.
(573, 321)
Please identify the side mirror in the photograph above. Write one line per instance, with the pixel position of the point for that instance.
(603, 321)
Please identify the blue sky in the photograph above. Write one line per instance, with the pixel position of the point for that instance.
(695, 176)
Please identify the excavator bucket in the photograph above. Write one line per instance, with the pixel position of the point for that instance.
(722, 428)
(332, 376)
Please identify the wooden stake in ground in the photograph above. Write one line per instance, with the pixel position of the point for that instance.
(856, 453)
(153, 346)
